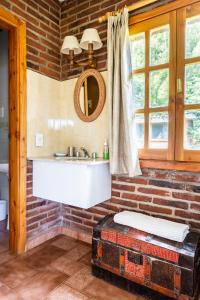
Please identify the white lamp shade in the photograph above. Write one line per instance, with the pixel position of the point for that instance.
(70, 43)
(91, 36)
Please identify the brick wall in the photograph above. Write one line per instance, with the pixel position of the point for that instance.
(43, 33)
(168, 194)
(48, 22)
(42, 215)
(78, 15)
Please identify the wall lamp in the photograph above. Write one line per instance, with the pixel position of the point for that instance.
(90, 42)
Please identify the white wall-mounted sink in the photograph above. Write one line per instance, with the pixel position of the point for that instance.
(80, 183)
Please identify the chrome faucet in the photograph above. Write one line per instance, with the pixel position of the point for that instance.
(86, 153)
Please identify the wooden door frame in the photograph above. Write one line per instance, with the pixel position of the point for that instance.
(17, 129)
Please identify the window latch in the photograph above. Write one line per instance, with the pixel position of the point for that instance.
(179, 85)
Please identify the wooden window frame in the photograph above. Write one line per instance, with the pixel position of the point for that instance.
(184, 163)
(169, 18)
(17, 129)
(181, 153)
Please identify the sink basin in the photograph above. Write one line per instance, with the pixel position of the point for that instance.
(73, 158)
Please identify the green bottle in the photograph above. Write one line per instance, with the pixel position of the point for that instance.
(105, 151)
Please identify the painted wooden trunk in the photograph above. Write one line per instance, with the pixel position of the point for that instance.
(128, 257)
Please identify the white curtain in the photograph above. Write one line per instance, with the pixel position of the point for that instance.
(122, 139)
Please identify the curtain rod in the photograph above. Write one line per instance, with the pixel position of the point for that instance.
(137, 5)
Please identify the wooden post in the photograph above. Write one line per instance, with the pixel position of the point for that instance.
(17, 129)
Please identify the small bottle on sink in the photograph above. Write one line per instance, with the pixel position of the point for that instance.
(105, 151)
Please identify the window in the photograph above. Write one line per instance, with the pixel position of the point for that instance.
(166, 82)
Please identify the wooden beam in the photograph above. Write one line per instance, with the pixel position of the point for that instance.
(162, 9)
(136, 5)
(170, 165)
(7, 20)
(17, 129)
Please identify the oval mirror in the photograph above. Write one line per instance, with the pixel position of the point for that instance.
(89, 95)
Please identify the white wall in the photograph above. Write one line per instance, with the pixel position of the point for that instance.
(3, 96)
(88, 134)
(43, 94)
(51, 112)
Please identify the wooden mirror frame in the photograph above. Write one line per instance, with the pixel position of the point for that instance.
(102, 95)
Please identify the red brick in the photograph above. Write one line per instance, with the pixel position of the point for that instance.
(187, 215)
(124, 203)
(81, 228)
(136, 197)
(37, 218)
(97, 211)
(152, 191)
(97, 218)
(155, 209)
(5, 3)
(115, 194)
(186, 196)
(172, 203)
(123, 187)
(195, 225)
(31, 199)
(33, 226)
(81, 214)
(49, 219)
(72, 218)
(195, 206)
(89, 223)
(137, 180)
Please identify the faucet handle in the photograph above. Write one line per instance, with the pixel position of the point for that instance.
(86, 153)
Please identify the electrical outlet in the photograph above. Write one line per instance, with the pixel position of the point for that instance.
(39, 140)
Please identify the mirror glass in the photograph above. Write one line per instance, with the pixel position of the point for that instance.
(89, 95)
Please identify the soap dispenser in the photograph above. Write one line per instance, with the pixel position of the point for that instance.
(105, 151)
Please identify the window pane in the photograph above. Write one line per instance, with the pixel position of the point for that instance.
(159, 46)
(192, 83)
(139, 90)
(159, 88)
(138, 51)
(192, 37)
(158, 130)
(192, 130)
(139, 120)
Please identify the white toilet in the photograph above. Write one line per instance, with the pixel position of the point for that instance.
(4, 197)
(3, 209)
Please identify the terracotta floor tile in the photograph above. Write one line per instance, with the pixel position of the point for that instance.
(40, 285)
(15, 272)
(101, 290)
(65, 243)
(78, 252)
(59, 269)
(86, 259)
(44, 256)
(3, 225)
(64, 292)
(3, 248)
(32, 251)
(4, 237)
(6, 256)
(81, 279)
(62, 264)
(7, 294)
